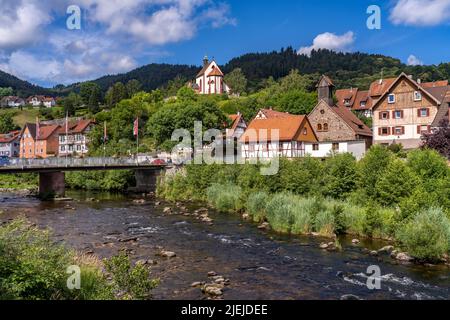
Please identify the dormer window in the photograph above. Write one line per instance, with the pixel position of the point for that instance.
(362, 104)
(417, 96)
(347, 102)
(391, 98)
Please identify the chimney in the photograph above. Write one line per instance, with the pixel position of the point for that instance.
(419, 81)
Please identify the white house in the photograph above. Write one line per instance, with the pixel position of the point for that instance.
(10, 144)
(75, 141)
(275, 134)
(12, 102)
(37, 101)
(328, 148)
(210, 79)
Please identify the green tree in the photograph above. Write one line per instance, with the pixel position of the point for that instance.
(4, 92)
(237, 81)
(115, 94)
(91, 95)
(340, 175)
(296, 102)
(71, 103)
(295, 81)
(174, 85)
(396, 183)
(186, 94)
(372, 167)
(133, 86)
(7, 122)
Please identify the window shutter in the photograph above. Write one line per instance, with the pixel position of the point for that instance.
(387, 113)
(418, 113)
(388, 131)
(393, 114)
(428, 112)
(403, 130)
(379, 131)
(380, 115)
(401, 114)
(418, 129)
(429, 129)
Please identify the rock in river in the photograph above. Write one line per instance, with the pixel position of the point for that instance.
(167, 210)
(167, 254)
(402, 256)
(355, 241)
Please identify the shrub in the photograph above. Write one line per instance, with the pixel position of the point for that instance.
(256, 206)
(133, 282)
(372, 166)
(354, 218)
(324, 222)
(225, 197)
(427, 235)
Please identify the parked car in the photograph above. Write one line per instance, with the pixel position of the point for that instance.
(4, 161)
(159, 162)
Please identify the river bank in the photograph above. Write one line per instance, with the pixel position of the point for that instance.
(259, 264)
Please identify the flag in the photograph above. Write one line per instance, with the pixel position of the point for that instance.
(136, 127)
(105, 133)
(38, 129)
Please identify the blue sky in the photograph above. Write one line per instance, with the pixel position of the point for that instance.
(120, 35)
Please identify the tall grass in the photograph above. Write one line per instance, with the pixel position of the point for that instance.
(256, 206)
(225, 197)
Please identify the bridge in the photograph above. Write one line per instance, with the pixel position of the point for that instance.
(52, 171)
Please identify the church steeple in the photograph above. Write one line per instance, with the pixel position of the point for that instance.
(205, 61)
(325, 90)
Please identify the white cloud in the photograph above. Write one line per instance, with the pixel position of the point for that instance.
(26, 66)
(414, 61)
(20, 23)
(330, 41)
(421, 12)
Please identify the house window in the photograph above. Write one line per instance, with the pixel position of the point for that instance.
(424, 112)
(398, 131)
(319, 127)
(315, 147)
(384, 131)
(363, 104)
(322, 111)
(384, 115)
(417, 96)
(305, 131)
(325, 127)
(335, 146)
(347, 102)
(398, 114)
(423, 129)
(391, 98)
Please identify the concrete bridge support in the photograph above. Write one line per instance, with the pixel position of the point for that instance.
(52, 184)
(146, 180)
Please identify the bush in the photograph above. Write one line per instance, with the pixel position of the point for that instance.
(132, 282)
(33, 267)
(427, 235)
(341, 176)
(225, 197)
(372, 167)
(256, 206)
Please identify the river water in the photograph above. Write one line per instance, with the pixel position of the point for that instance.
(259, 264)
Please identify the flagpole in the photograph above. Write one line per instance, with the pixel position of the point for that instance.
(67, 136)
(137, 142)
(104, 140)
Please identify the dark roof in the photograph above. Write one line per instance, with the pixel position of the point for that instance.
(45, 131)
(352, 120)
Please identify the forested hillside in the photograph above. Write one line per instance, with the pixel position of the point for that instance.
(346, 69)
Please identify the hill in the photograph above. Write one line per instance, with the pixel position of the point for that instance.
(346, 69)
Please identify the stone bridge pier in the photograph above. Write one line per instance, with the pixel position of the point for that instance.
(146, 180)
(52, 184)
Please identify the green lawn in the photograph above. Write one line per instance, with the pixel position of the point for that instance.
(22, 116)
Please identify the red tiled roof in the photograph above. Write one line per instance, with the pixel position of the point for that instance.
(9, 137)
(269, 113)
(288, 127)
(346, 94)
(377, 88)
(362, 96)
(352, 120)
(215, 73)
(441, 83)
(45, 131)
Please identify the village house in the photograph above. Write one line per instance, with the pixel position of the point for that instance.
(237, 128)
(337, 128)
(408, 109)
(210, 79)
(38, 101)
(276, 134)
(39, 141)
(362, 101)
(12, 102)
(75, 141)
(10, 144)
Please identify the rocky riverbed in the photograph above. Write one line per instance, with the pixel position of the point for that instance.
(201, 254)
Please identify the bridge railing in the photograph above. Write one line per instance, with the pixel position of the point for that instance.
(73, 162)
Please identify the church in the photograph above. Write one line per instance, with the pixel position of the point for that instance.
(210, 79)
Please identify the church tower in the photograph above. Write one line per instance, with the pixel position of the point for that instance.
(325, 90)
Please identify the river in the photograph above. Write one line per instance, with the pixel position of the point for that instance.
(259, 264)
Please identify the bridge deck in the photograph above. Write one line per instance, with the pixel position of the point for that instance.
(75, 164)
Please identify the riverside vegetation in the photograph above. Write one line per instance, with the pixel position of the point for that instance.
(384, 196)
(33, 267)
